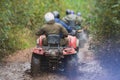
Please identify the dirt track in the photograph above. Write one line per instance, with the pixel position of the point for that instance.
(17, 67)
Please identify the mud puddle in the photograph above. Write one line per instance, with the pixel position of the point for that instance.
(17, 67)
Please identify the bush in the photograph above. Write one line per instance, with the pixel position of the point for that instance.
(106, 21)
(19, 19)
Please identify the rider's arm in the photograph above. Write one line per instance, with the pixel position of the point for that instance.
(65, 19)
(40, 31)
(64, 31)
(68, 28)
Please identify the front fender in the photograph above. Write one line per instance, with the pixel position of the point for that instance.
(39, 51)
(69, 51)
(72, 41)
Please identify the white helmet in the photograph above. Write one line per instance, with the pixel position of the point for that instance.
(49, 16)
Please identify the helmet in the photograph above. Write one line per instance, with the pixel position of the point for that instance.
(72, 12)
(79, 14)
(56, 14)
(49, 16)
(68, 11)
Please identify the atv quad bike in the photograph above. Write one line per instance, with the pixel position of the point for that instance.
(53, 56)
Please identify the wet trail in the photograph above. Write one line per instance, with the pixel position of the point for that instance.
(109, 58)
(17, 68)
(93, 67)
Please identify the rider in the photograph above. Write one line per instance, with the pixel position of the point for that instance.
(52, 28)
(79, 19)
(57, 20)
(68, 11)
(70, 19)
(73, 20)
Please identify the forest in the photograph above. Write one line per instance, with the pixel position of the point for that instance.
(19, 20)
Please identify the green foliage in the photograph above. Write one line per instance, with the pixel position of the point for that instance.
(14, 34)
(19, 20)
(106, 21)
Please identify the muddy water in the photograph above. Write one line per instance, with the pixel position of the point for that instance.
(17, 67)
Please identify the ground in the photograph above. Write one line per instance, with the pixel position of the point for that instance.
(93, 67)
(17, 67)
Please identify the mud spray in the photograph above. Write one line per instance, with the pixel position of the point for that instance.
(83, 43)
(100, 64)
(109, 58)
(88, 68)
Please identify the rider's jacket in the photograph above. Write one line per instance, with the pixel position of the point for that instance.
(72, 20)
(68, 28)
(52, 28)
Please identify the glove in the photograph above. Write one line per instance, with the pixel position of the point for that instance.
(73, 32)
(80, 30)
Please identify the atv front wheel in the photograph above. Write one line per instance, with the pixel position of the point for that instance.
(35, 64)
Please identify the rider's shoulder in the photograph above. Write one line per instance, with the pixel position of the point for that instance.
(58, 24)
